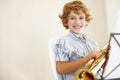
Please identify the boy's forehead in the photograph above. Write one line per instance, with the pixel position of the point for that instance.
(76, 13)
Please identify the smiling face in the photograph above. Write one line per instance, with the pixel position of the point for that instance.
(76, 23)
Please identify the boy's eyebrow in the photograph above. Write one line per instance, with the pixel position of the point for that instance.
(74, 16)
(71, 16)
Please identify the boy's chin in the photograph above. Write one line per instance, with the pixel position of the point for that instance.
(77, 32)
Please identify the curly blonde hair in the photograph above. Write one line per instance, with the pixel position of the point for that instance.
(78, 7)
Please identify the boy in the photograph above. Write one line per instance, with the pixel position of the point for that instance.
(74, 50)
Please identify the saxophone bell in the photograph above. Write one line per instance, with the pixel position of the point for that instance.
(85, 74)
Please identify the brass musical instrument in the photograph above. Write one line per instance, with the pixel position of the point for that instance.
(90, 69)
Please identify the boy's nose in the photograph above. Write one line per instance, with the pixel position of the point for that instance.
(77, 21)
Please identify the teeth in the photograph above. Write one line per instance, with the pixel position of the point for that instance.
(77, 26)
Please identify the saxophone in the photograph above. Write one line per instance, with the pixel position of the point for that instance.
(91, 68)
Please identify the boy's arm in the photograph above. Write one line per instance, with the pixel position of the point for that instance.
(67, 67)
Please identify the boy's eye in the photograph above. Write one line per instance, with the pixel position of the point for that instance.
(81, 18)
(72, 18)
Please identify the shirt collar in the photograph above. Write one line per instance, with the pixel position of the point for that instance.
(76, 35)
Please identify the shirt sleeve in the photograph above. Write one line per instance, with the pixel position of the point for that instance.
(61, 50)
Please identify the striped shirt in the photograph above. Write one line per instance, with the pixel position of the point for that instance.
(72, 47)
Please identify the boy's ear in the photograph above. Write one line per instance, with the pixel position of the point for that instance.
(66, 26)
(86, 24)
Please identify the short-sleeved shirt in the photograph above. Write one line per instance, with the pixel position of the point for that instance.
(72, 47)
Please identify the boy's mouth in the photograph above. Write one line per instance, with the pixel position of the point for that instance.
(77, 27)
